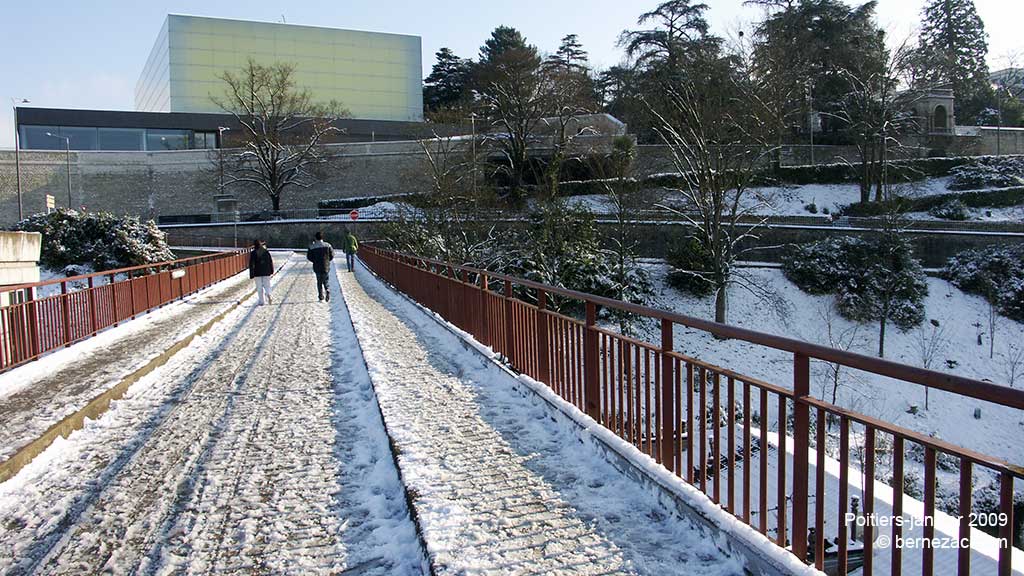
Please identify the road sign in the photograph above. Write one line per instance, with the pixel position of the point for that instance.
(51, 203)
(354, 215)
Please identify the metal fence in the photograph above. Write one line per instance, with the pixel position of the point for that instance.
(672, 407)
(37, 322)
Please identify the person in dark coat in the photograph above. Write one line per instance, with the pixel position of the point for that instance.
(261, 268)
(321, 253)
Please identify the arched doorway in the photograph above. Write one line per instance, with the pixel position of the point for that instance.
(940, 117)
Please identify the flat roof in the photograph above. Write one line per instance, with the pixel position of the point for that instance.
(172, 120)
(313, 26)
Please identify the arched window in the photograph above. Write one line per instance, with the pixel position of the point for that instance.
(940, 121)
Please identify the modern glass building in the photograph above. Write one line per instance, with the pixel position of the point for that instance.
(376, 76)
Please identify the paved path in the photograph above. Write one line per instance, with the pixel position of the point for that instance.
(501, 483)
(258, 451)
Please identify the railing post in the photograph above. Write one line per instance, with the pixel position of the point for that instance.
(592, 388)
(65, 307)
(92, 306)
(667, 435)
(509, 329)
(801, 433)
(131, 293)
(484, 336)
(113, 298)
(543, 360)
(33, 322)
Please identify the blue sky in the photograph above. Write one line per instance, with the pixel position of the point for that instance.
(88, 54)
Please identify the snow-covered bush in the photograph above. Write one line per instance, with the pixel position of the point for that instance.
(988, 172)
(873, 279)
(995, 272)
(689, 264)
(950, 210)
(97, 239)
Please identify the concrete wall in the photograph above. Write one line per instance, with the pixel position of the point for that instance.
(655, 240)
(185, 182)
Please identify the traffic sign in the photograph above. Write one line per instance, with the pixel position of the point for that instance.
(354, 215)
(51, 203)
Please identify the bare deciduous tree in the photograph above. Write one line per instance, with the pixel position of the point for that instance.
(930, 341)
(715, 132)
(283, 127)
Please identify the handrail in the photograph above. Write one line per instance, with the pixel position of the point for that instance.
(934, 379)
(711, 426)
(81, 277)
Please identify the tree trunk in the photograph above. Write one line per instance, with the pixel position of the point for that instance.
(275, 200)
(721, 304)
(881, 337)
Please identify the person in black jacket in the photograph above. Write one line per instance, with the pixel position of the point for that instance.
(261, 268)
(321, 253)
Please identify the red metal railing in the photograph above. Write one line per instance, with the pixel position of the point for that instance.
(36, 323)
(672, 407)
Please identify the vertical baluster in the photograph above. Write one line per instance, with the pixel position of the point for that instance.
(844, 486)
(928, 530)
(897, 504)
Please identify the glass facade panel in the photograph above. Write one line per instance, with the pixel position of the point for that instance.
(374, 75)
(35, 138)
(121, 138)
(167, 140)
(204, 140)
(80, 138)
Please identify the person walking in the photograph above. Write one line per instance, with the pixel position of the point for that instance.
(350, 247)
(261, 268)
(321, 253)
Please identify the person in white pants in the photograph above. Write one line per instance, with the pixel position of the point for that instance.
(261, 268)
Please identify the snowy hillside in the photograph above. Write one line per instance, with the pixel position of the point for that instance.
(804, 316)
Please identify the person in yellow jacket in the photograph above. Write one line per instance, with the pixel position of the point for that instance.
(350, 246)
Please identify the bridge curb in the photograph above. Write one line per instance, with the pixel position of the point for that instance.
(101, 403)
(672, 496)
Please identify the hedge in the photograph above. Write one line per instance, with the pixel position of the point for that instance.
(1001, 198)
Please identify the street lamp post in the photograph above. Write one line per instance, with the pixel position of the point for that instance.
(220, 154)
(810, 114)
(472, 124)
(17, 154)
(67, 151)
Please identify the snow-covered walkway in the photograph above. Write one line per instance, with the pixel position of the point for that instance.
(255, 450)
(502, 483)
(38, 395)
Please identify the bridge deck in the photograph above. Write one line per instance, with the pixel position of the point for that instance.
(260, 449)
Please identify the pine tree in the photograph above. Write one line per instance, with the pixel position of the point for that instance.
(504, 39)
(449, 81)
(953, 49)
(570, 55)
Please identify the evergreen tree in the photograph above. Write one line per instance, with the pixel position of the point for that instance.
(679, 35)
(509, 84)
(449, 82)
(953, 49)
(570, 55)
(806, 52)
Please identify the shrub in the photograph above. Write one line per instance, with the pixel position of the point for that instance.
(988, 172)
(1002, 198)
(950, 210)
(872, 279)
(97, 239)
(995, 273)
(689, 263)
(812, 208)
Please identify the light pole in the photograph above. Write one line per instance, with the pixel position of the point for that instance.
(220, 153)
(17, 154)
(472, 127)
(810, 114)
(67, 150)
